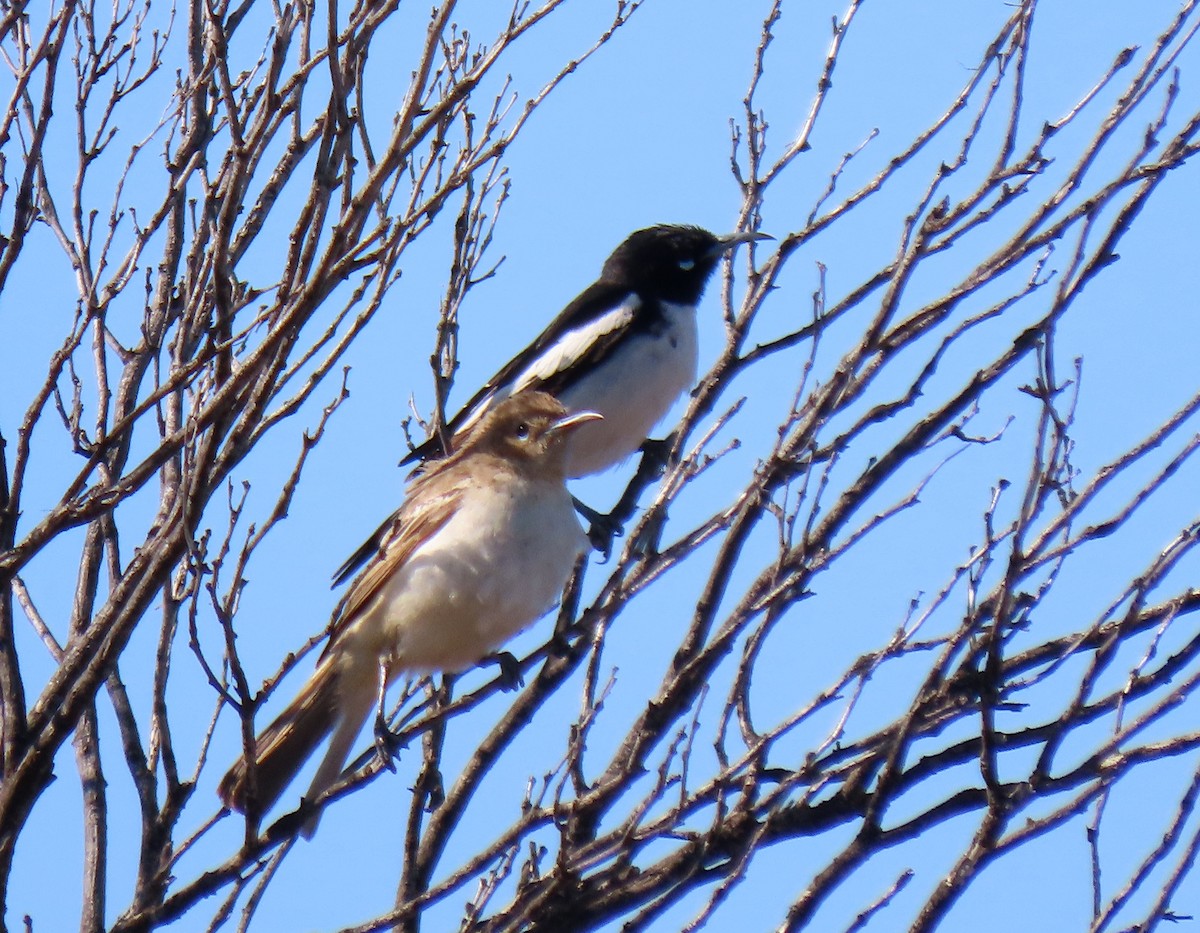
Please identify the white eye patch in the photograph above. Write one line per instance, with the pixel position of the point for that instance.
(687, 265)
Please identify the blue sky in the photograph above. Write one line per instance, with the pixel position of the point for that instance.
(641, 135)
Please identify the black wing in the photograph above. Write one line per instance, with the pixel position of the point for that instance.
(596, 300)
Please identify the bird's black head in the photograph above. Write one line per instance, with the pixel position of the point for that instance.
(669, 262)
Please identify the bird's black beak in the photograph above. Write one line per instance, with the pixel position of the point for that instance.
(570, 422)
(730, 240)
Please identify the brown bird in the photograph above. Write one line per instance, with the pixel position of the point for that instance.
(482, 546)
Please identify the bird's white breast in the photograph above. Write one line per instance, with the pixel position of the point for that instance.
(633, 389)
(498, 564)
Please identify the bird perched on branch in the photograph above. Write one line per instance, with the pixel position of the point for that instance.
(482, 546)
(626, 347)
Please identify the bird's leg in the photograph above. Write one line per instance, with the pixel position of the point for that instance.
(387, 743)
(509, 676)
(655, 457)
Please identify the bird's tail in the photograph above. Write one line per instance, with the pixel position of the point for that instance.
(283, 747)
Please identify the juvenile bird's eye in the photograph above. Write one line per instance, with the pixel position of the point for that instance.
(522, 431)
(687, 265)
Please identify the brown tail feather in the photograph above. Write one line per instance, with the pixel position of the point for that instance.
(282, 748)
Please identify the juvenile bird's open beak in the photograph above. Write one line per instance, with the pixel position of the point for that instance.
(575, 419)
(730, 240)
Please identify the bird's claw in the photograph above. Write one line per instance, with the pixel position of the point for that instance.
(601, 528)
(387, 744)
(601, 532)
(509, 677)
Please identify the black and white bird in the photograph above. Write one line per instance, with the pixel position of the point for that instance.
(626, 347)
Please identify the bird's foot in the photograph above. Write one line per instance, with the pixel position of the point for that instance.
(509, 676)
(602, 531)
(387, 744)
(601, 528)
(656, 457)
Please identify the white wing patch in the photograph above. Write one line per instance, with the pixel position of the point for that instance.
(560, 355)
(576, 343)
